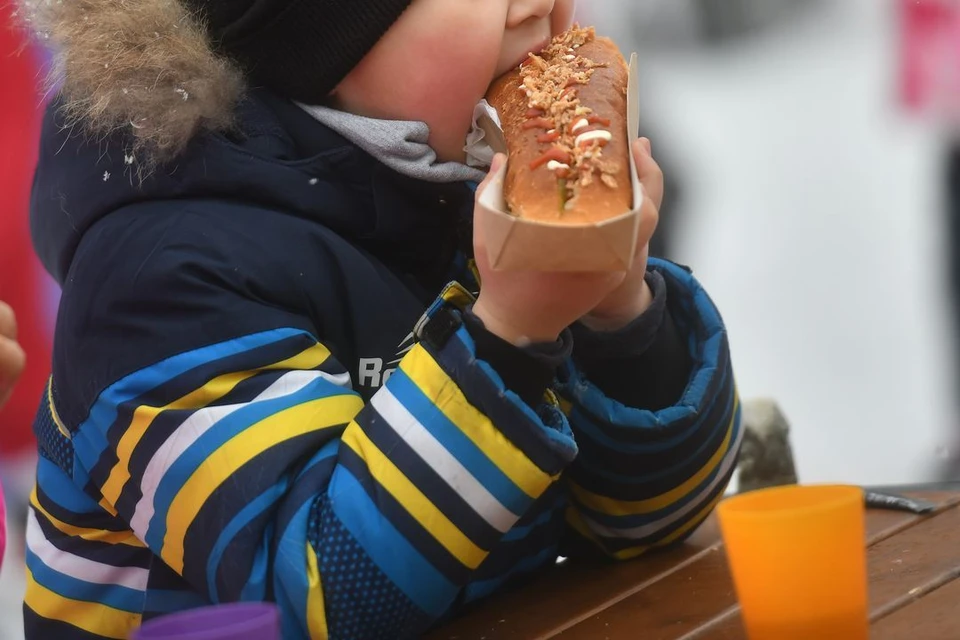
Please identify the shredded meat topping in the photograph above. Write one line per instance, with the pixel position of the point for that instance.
(551, 80)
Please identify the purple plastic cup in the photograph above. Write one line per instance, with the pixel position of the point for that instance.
(255, 620)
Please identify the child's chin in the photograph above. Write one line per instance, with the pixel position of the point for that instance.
(450, 155)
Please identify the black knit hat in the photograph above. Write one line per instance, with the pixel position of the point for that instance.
(300, 48)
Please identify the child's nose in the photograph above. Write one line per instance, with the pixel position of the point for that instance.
(523, 10)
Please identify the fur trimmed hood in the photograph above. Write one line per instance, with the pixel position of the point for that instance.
(144, 66)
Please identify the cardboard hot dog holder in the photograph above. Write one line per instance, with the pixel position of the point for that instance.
(519, 244)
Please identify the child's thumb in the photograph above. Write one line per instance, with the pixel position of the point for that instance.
(495, 166)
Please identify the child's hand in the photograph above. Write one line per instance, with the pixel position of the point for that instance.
(530, 306)
(633, 296)
(12, 358)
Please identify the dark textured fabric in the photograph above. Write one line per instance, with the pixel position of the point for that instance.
(299, 48)
(645, 364)
(52, 444)
(349, 575)
(528, 371)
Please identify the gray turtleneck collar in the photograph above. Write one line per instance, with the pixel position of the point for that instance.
(400, 145)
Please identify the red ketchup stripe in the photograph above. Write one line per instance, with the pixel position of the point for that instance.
(549, 136)
(538, 123)
(556, 153)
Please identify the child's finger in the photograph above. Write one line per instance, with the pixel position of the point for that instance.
(495, 165)
(8, 322)
(478, 239)
(649, 218)
(648, 171)
(12, 362)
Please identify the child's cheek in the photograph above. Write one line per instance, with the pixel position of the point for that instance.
(446, 86)
(458, 67)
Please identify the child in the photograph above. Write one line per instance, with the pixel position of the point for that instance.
(250, 206)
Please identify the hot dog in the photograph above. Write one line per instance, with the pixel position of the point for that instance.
(563, 115)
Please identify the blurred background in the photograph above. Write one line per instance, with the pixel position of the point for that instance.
(808, 144)
(813, 167)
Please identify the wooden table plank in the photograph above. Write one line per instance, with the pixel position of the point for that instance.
(676, 605)
(578, 600)
(934, 617)
(881, 526)
(901, 568)
(562, 596)
(700, 597)
(727, 626)
(911, 564)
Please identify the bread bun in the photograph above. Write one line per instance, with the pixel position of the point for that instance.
(563, 113)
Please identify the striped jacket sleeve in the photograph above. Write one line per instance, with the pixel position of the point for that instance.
(646, 479)
(254, 471)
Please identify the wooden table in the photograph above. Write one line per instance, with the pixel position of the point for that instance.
(687, 593)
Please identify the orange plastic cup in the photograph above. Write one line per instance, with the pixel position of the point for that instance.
(798, 559)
